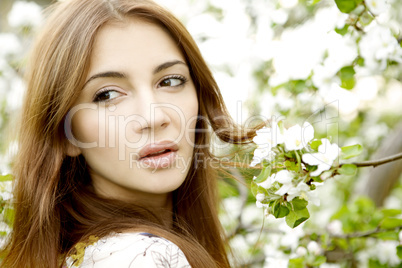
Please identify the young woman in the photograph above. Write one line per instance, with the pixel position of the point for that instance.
(114, 141)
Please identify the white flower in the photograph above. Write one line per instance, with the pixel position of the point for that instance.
(269, 137)
(326, 155)
(314, 248)
(377, 6)
(274, 256)
(377, 46)
(283, 100)
(385, 251)
(291, 236)
(25, 14)
(335, 227)
(301, 251)
(266, 139)
(302, 187)
(297, 137)
(275, 262)
(9, 45)
(6, 191)
(400, 237)
(15, 94)
(288, 3)
(303, 191)
(268, 182)
(331, 265)
(260, 205)
(261, 154)
(260, 197)
(285, 178)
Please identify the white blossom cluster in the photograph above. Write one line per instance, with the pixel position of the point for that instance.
(25, 14)
(378, 46)
(23, 18)
(291, 184)
(267, 138)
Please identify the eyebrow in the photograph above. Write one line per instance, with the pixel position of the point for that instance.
(109, 74)
(166, 65)
(113, 74)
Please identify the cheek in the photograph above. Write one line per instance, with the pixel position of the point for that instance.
(86, 125)
(191, 115)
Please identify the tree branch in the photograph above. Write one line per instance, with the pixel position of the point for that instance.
(243, 192)
(378, 162)
(378, 230)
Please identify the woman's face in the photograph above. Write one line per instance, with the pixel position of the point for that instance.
(135, 117)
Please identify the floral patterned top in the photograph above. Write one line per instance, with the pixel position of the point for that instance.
(127, 250)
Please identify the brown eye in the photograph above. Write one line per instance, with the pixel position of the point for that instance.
(172, 82)
(106, 95)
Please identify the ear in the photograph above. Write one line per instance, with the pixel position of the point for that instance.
(71, 149)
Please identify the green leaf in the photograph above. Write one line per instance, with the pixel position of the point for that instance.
(281, 127)
(351, 151)
(347, 75)
(298, 161)
(7, 177)
(318, 261)
(347, 6)
(317, 178)
(399, 251)
(295, 218)
(342, 31)
(254, 188)
(366, 19)
(377, 264)
(315, 144)
(360, 61)
(296, 263)
(389, 223)
(280, 211)
(289, 154)
(347, 169)
(342, 244)
(391, 212)
(9, 214)
(291, 165)
(387, 236)
(313, 2)
(299, 203)
(265, 173)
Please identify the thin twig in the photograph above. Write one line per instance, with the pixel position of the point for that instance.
(378, 230)
(378, 162)
(373, 163)
(243, 192)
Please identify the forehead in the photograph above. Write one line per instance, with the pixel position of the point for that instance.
(132, 42)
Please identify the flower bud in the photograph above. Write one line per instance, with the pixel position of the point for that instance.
(400, 237)
(260, 197)
(301, 251)
(314, 248)
(335, 227)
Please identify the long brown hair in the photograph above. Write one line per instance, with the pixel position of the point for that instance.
(55, 206)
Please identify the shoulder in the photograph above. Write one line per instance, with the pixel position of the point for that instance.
(130, 250)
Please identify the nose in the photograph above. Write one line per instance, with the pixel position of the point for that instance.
(154, 113)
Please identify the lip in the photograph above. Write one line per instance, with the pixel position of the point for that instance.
(160, 161)
(158, 146)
